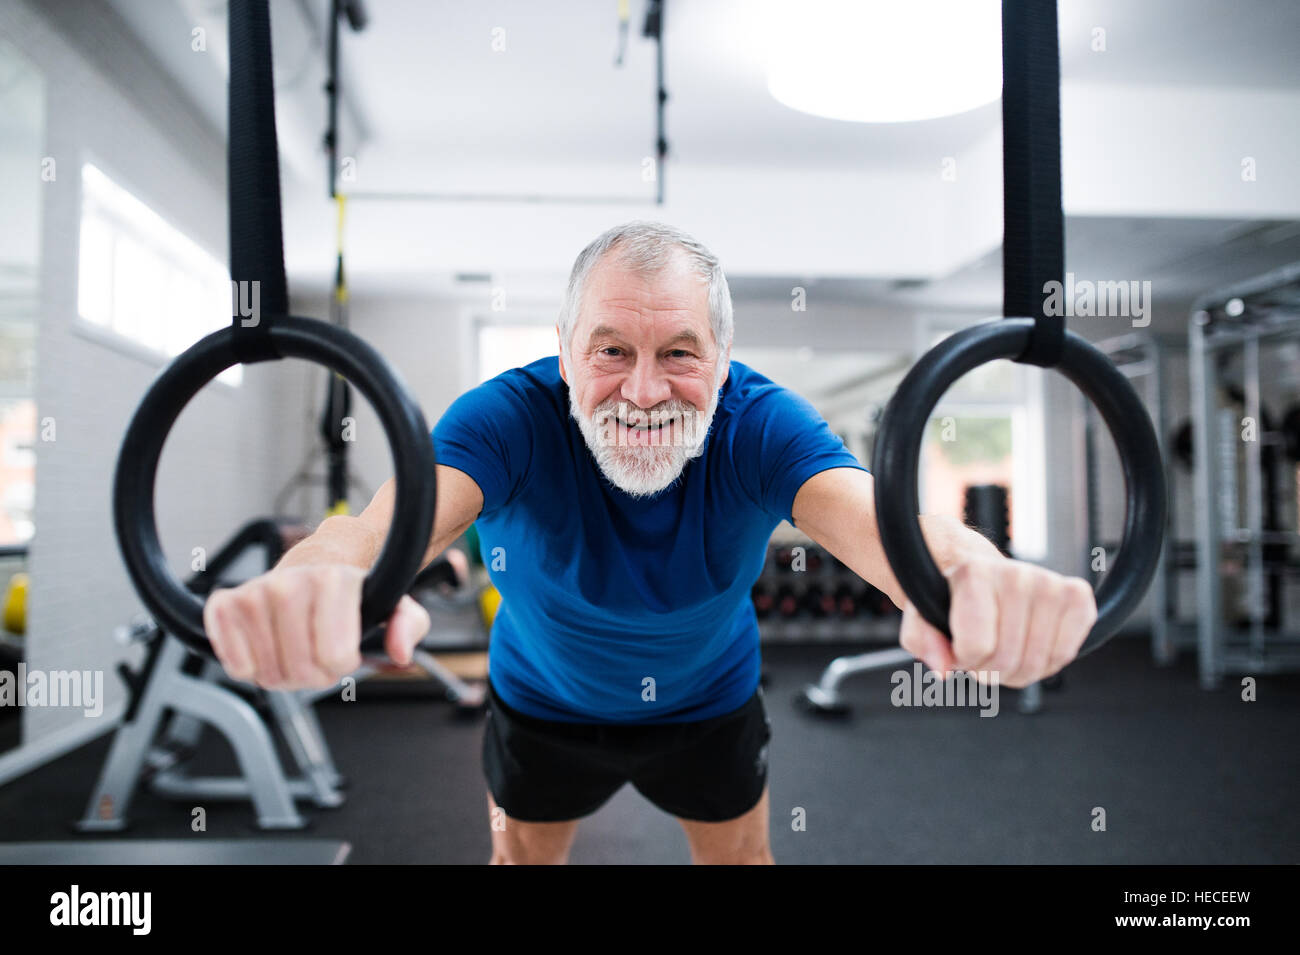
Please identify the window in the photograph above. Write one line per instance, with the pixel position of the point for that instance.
(22, 146)
(17, 469)
(988, 429)
(143, 280)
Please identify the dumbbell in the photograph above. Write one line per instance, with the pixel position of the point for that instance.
(787, 601)
(13, 612)
(846, 600)
(818, 601)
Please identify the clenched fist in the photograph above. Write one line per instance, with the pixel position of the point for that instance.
(1014, 620)
(299, 627)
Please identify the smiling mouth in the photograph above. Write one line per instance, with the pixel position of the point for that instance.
(648, 427)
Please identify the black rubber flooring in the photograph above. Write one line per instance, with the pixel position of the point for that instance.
(1184, 776)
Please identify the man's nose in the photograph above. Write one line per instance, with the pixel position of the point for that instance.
(646, 386)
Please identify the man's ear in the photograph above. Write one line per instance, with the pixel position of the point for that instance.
(560, 346)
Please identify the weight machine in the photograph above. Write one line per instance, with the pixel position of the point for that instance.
(177, 692)
(1242, 321)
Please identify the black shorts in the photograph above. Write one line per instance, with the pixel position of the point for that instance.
(545, 771)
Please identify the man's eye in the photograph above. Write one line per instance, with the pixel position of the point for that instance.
(611, 351)
(679, 353)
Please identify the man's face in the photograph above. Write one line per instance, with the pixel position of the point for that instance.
(644, 373)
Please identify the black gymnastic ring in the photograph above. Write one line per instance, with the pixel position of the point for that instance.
(897, 459)
(173, 606)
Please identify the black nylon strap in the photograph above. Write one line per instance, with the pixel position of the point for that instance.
(1033, 243)
(260, 291)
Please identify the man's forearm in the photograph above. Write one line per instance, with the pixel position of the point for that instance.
(837, 509)
(950, 542)
(338, 540)
(357, 540)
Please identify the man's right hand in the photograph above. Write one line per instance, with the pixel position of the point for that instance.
(299, 627)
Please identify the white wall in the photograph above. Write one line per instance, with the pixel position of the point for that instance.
(231, 448)
(428, 344)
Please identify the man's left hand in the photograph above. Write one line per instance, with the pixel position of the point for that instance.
(1011, 622)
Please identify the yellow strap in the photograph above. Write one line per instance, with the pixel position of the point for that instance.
(341, 201)
(337, 509)
(341, 289)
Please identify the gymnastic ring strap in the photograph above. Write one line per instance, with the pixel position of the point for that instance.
(1033, 245)
(259, 288)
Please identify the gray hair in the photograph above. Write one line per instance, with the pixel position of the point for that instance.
(647, 248)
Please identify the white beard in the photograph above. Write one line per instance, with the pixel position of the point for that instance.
(643, 470)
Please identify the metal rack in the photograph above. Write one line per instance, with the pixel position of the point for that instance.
(876, 624)
(1144, 356)
(1248, 317)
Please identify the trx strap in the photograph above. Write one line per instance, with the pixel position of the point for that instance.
(653, 28)
(338, 394)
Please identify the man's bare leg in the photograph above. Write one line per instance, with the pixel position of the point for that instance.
(740, 841)
(528, 843)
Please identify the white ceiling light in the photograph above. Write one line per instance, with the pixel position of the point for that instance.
(871, 61)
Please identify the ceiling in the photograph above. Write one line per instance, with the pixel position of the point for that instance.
(554, 94)
(425, 89)
(425, 73)
(1180, 257)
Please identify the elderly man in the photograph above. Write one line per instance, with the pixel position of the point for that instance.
(624, 493)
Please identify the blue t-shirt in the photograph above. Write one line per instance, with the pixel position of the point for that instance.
(616, 609)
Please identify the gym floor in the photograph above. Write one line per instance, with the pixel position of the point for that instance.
(1185, 777)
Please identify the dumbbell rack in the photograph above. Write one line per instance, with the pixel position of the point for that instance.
(875, 621)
